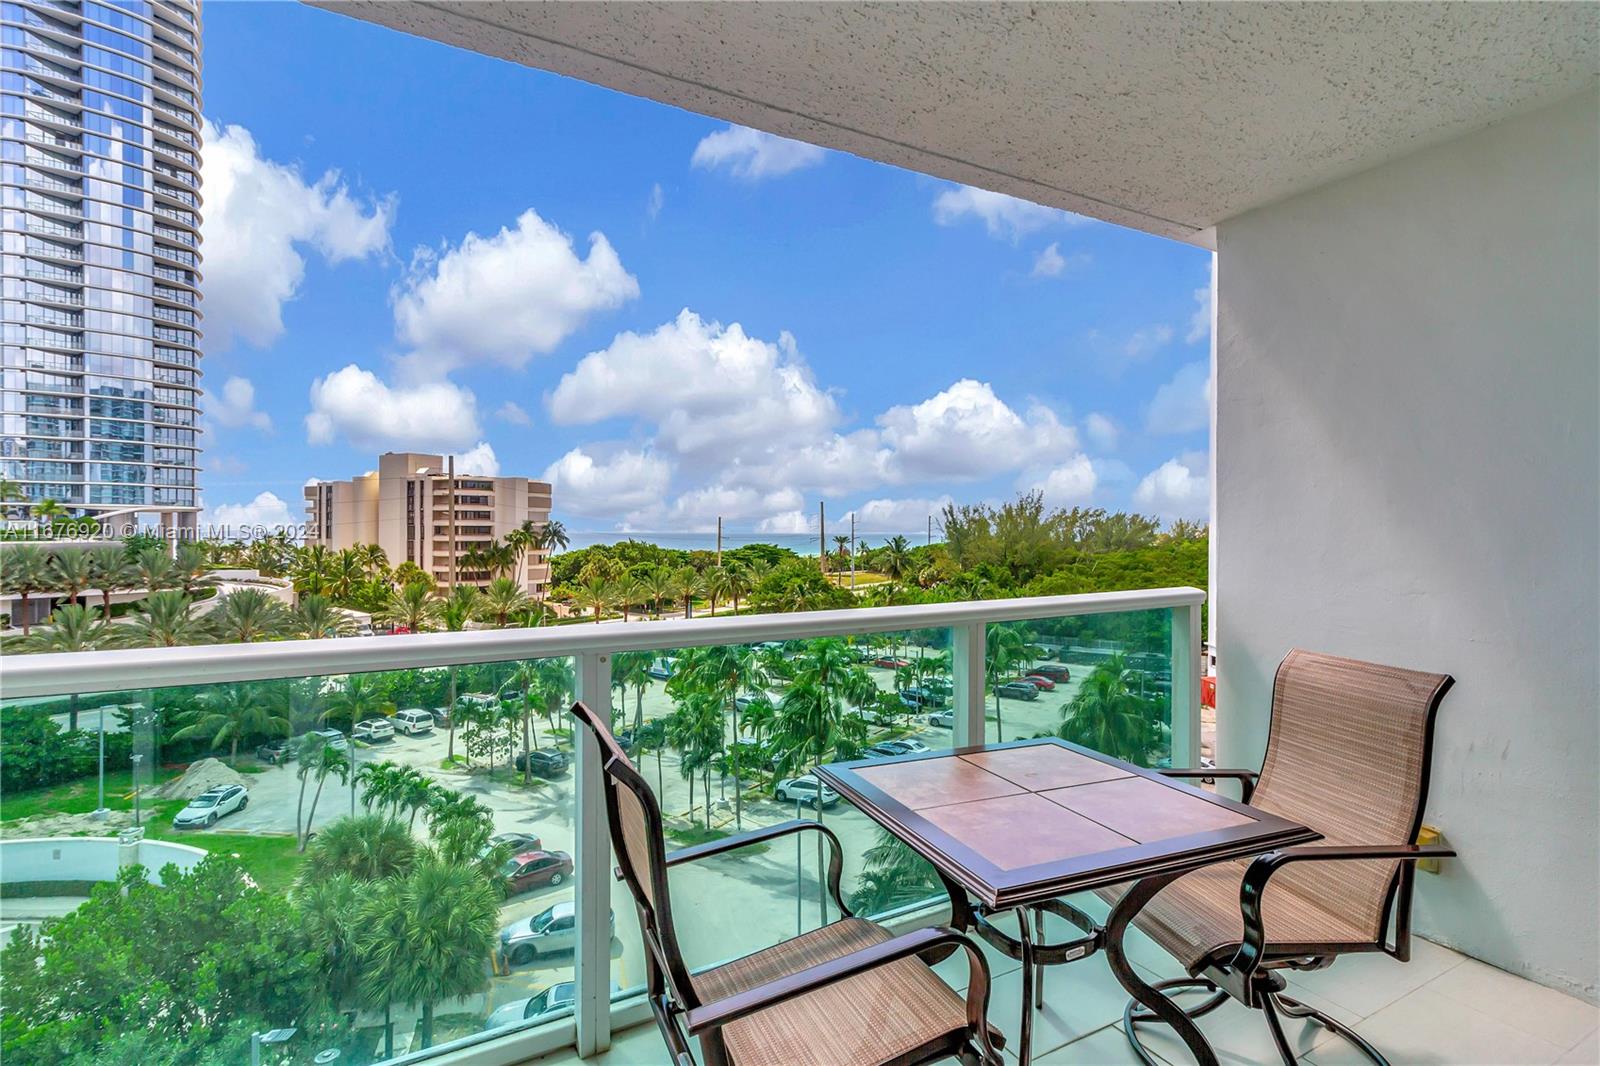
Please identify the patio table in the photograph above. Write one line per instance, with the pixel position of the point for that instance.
(1013, 827)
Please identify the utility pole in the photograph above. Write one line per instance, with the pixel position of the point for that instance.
(930, 531)
(719, 540)
(450, 475)
(852, 551)
(822, 535)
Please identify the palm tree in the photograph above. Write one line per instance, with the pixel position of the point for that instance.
(359, 698)
(164, 619)
(112, 573)
(688, 586)
(723, 672)
(659, 586)
(316, 618)
(841, 546)
(320, 759)
(1006, 647)
(326, 907)
(313, 570)
(628, 590)
(521, 541)
(47, 511)
(72, 569)
(695, 730)
(234, 711)
(413, 607)
(813, 716)
(190, 565)
(595, 595)
(374, 560)
(248, 616)
(894, 559)
(1107, 714)
(154, 569)
(24, 570)
(364, 848)
(717, 584)
(380, 786)
(632, 668)
(739, 583)
(503, 598)
(73, 627)
(348, 570)
(463, 604)
(424, 937)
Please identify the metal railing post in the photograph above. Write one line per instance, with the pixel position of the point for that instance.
(968, 649)
(1187, 664)
(593, 859)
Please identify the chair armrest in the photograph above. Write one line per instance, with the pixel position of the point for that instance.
(1253, 890)
(916, 942)
(1246, 778)
(756, 836)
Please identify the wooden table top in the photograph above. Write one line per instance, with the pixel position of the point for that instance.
(1034, 819)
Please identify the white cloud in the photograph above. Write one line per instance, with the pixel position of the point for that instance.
(967, 431)
(706, 387)
(512, 412)
(1178, 488)
(789, 522)
(1050, 263)
(658, 200)
(367, 412)
(895, 515)
(1146, 341)
(1102, 431)
(222, 466)
(1200, 321)
(1070, 483)
(699, 508)
(266, 510)
(622, 482)
(1182, 405)
(259, 219)
(1003, 216)
(235, 405)
(753, 155)
(478, 461)
(504, 298)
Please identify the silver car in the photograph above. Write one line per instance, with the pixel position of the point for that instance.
(554, 929)
(205, 809)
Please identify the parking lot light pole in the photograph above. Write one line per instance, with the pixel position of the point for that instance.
(100, 811)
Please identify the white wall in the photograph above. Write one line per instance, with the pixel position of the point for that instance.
(1408, 447)
(87, 858)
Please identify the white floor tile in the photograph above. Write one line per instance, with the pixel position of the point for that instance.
(1104, 1047)
(1536, 1010)
(956, 969)
(1364, 984)
(1240, 1035)
(1585, 1052)
(1426, 1028)
(1080, 998)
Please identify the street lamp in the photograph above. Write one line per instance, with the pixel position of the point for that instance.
(100, 811)
(136, 759)
(271, 1036)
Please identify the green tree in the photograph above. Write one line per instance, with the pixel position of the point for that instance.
(426, 937)
(413, 607)
(112, 572)
(247, 616)
(164, 619)
(596, 595)
(364, 848)
(154, 568)
(503, 598)
(24, 571)
(1005, 647)
(316, 618)
(319, 759)
(72, 569)
(1108, 715)
(814, 718)
(695, 730)
(631, 669)
(359, 698)
(894, 558)
(72, 628)
(463, 604)
(190, 566)
(232, 712)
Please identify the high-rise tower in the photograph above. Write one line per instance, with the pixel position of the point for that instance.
(100, 179)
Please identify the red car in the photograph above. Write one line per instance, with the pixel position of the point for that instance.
(889, 663)
(1042, 681)
(536, 869)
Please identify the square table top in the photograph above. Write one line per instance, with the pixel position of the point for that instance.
(1034, 819)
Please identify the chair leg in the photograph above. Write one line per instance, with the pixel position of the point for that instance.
(1136, 1013)
(1295, 1009)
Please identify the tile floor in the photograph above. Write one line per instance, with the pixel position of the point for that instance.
(1440, 1008)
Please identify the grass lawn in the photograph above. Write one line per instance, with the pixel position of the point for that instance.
(700, 834)
(80, 796)
(269, 858)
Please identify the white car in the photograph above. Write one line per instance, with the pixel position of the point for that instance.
(373, 729)
(205, 809)
(942, 719)
(806, 790)
(554, 1002)
(412, 721)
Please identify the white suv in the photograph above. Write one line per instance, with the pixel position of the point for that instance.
(205, 809)
(412, 721)
(373, 729)
(806, 790)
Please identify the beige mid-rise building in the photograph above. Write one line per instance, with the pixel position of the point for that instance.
(405, 506)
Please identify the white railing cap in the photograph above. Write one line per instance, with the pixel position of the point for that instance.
(60, 674)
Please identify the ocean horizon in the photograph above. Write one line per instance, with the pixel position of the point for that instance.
(800, 543)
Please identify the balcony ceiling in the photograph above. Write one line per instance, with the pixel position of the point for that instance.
(1162, 116)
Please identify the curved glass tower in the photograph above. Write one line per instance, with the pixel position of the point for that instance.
(100, 197)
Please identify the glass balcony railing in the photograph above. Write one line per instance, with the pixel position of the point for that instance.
(418, 861)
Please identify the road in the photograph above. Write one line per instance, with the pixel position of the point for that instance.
(759, 888)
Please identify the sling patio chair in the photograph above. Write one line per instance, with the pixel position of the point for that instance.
(1348, 752)
(847, 994)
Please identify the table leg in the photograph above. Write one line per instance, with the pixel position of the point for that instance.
(1030, 973)
(1158, 1004)
(1038, 931)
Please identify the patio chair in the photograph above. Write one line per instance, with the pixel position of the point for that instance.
(847, 993)
(1347, 755)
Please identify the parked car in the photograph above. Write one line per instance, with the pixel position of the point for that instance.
(1041, 682)
(535, 869)
(807, 790)
(412, 720)
(744, 703)
(880, 751)
(546, 762)
(942, 719)
(923, 697)
(904, 746)
(277, 751)
(889, 662)
(332, 737)
(1056, 672)
(661, 669)
(514, 843)
(549, 1004)
(206, 809)
(372, 729)
(552, 930)
(1017, 690)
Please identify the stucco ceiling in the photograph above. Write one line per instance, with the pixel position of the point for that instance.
(1163, 116)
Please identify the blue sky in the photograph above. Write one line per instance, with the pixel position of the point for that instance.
(413, 246)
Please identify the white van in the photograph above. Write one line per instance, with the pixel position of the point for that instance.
(412, 721)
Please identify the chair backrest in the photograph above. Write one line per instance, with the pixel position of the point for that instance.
(637, 838)
(1348, 756)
